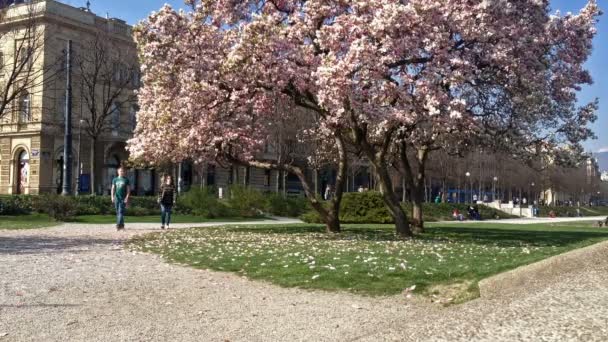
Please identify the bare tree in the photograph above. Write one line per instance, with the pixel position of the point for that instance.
(22, 68)
(108, 73)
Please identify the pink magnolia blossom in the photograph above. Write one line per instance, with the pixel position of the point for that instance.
(365, 69)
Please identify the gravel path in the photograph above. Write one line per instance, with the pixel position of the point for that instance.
(76, 283)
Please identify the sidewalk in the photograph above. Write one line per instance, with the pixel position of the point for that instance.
(536, 220)
(156, 225)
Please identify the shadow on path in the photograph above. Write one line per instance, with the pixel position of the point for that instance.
(48, 244)
(41, 305)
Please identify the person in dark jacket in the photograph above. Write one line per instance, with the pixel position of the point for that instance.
(166, 199)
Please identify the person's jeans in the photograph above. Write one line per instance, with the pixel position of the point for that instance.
(165, 214)
(120, 212)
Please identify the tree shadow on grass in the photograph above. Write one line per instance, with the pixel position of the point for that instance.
(48, 245)
(501, 237)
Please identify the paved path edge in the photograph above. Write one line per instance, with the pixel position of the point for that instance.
(540, 274)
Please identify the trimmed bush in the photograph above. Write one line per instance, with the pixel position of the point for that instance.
(245, 201)
(570, 211)
(203, 202)
(16, 205)
(60, 208)
(368, 207)
(278, 205)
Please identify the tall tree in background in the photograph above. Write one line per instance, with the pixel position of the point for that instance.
(22, 72)
(108, 75)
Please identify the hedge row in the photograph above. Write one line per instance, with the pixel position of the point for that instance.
(240, 202)
(368, 207)
(564, 211)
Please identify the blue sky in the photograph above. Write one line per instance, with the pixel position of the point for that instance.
(135, 10)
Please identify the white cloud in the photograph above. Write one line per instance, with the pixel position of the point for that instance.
(603, 149)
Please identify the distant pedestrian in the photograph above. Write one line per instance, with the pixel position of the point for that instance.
(166, 199)
(328, 193)
(121, 190)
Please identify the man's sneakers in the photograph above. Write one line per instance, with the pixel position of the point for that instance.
(162, 227)
(120, 227)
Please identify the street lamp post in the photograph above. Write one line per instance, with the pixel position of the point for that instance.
(468, 175)
(67, 141)
(495, 179)
(79, 170)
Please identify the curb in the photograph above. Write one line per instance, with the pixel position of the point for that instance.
(539, 274)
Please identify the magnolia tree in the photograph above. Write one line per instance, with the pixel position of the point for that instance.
(371, 71)
(195, 104)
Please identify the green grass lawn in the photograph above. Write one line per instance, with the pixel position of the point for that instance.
(449, 259)
(156, 218)
(26, 222)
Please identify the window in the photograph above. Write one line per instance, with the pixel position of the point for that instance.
(25, 110)
(267, 177)
(210, 175)
(133, 116)
(115, 115)
(24, 55)
(135, 79)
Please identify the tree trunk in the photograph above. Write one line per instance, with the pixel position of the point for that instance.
(402, 226)
(330, 216)
(417, 221)
(377, 158)
(416, 184)
(420, 184)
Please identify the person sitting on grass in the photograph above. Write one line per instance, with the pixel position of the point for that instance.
(471, 213)
(457, 215)
(476, 213)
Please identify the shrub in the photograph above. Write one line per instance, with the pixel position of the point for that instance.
(94, 205)
(60, 208)
(311, 216)
(368, 207)
(245, 201)
(203, 202)
(139, 211)
(364, 207)
(276, 204)
(16, 205)
(145, 204)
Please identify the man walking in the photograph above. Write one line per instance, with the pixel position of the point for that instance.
(121, 189)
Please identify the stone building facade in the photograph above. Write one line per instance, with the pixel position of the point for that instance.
(32, 145)
(32, 132)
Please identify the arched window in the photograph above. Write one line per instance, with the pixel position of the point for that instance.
(25, 107)
(23, 170)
